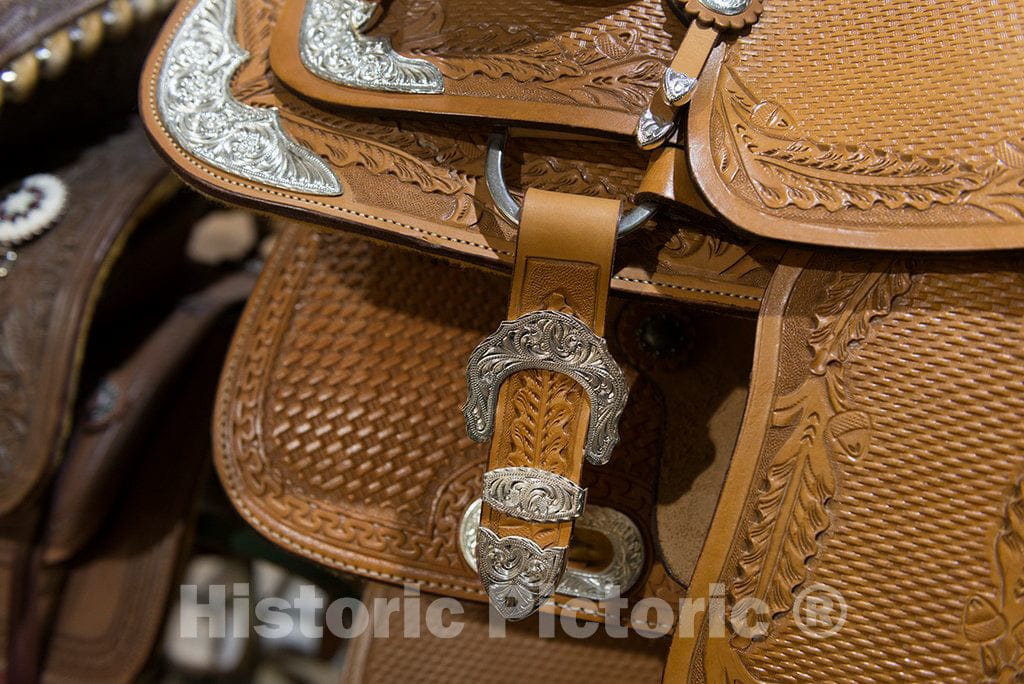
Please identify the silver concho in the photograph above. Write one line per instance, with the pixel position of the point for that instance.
(727, 7)
(533, 494)
(31, 209)
(651, 131)
(554, 341)
(332, 47)
(517, 574)
(198, 110)
(678, 87)
(618, 577)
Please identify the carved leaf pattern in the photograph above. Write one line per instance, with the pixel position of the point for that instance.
(343, 150)
(792, 507)
(255, 21)
(1004, 196)
(1010, 557)
(422, 26)
(722, 665)
(787, 169)
(997, 628)
(614, 88)
(791, 512)
(544, 62)
(851, 302)
(543, 411)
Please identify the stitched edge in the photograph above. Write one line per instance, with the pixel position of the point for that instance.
(242, 337)
(688, 289)
(151, 97)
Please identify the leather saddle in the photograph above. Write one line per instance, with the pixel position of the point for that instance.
(788, 232)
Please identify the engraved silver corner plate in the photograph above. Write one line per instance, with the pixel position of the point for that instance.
(553, 341)
(533, 494)
(651, 130)
(618, 577)
(678, 87)
(518, 575)
(726, 7)
(332, 46)
(198, 110)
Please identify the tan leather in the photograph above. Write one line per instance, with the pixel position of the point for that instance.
(782, 145)
(474, 656)
(420, 183)
(564, 262)
(873, 404)
(816, 126)
(879, 452)
(339, 433)
(668, 179)
(550, 63)
(688, 61)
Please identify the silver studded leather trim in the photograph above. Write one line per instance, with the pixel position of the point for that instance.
(618, 577)
(517, 575)
(678, 87)
(554, 341)
(332, 47)
(651, 131)
(533, 494)
(200, 113)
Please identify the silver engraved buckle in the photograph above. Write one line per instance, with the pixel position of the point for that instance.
(553, 341)
(516, 573)
(617, 577)
(533, 494)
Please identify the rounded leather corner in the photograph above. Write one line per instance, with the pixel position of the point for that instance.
(722, 153)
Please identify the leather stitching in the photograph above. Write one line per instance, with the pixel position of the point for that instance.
(207, 171)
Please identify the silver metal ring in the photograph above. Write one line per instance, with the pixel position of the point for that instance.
(509, 208)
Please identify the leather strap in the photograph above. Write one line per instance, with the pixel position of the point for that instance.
(563, 262)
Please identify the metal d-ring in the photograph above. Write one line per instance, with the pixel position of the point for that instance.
(510, 209)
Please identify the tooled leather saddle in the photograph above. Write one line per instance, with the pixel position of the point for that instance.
(763, 338)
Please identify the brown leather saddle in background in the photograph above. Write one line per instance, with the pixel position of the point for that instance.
(787, 230)
(98, 478)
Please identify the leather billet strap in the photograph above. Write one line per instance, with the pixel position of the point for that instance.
(543, 427)
(708, 19)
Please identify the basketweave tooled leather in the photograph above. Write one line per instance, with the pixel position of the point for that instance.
(816, 156)
(338, 431)
(879, 125)
(420, 182)
(591, 66)
(888, 393)
(474, 656)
